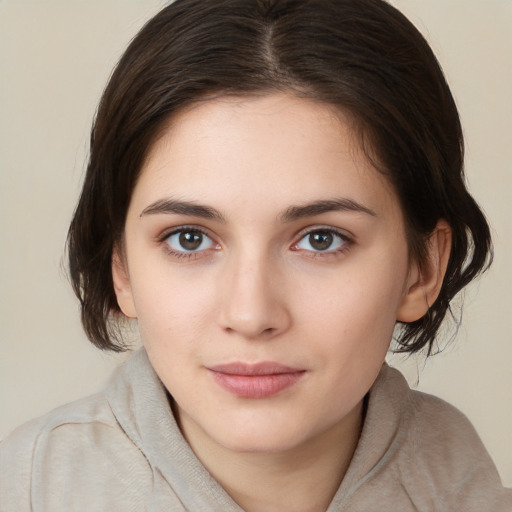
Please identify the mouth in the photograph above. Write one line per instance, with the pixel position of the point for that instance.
(260, 380)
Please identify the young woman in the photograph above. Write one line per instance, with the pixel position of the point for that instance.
(273, 187)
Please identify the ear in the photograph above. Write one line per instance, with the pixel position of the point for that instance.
(425, 281)
(122, 286)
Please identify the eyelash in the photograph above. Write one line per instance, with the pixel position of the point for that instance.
(189, 255)
(346, 244)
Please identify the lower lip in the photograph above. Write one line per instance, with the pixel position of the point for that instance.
(256, 386)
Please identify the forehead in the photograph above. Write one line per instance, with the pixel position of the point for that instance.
(270, 150)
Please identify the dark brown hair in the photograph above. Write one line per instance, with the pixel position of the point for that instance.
(362, 56)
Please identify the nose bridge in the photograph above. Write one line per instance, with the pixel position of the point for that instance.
(252, 305)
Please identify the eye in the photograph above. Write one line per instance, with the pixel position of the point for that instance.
(322, 240)
(189, 241)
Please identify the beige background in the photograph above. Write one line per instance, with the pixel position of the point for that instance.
(55, 57)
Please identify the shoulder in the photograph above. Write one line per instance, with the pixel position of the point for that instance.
(443, 452)
(429, 421)
(68, 418)
(69, 444)
(443, 437)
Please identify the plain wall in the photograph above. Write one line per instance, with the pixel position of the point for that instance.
(55, 57)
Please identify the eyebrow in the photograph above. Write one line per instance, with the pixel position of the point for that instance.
(183, 208)
(324, 206)
(174, 206)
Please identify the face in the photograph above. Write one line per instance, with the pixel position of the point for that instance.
(266, 262)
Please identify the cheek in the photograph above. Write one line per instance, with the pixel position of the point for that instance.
(169, 318)
(353, 321)
(174, 319)
(171, 305)
(357, 299)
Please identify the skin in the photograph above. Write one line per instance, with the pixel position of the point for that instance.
(257, 288)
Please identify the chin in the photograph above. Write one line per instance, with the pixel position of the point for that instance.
(263, 439)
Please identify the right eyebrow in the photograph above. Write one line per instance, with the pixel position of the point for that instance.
(173, 206)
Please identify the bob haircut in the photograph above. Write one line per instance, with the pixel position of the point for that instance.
(361, 56)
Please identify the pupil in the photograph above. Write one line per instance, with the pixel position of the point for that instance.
(321, 240)
(190, 240)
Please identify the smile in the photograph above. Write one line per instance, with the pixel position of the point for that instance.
(255, 380)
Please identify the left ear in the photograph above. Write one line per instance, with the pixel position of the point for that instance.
(425, 281)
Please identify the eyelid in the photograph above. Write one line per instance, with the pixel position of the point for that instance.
(192, 254)
(166, 233)
(347, 238)
(321, 227)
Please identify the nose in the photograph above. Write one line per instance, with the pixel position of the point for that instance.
(253, 300)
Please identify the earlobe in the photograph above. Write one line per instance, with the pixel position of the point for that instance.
(122, 286)
(425, 282)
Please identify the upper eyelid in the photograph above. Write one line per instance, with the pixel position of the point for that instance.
(299, 235)
(192, 254)
(347, 242)
(166, 233)
(312, 229)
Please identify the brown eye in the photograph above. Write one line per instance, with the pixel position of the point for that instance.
(189, 240)
(321, 240)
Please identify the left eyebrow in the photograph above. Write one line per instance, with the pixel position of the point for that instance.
(324, 206)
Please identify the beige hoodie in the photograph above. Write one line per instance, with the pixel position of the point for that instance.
(121, 450)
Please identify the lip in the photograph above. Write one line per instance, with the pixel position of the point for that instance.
(259, 380)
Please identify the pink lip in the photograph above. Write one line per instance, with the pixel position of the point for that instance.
(255, 380)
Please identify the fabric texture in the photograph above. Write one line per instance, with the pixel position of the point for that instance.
(121, 450)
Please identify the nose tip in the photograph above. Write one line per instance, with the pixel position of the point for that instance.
(252, 305)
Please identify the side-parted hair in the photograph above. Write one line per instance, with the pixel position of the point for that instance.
(362, 56)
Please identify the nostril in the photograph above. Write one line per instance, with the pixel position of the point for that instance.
(252, 332)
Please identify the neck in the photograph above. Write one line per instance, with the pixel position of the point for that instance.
(302, 479)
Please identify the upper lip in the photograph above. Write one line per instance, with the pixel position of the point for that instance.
(253, 369)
